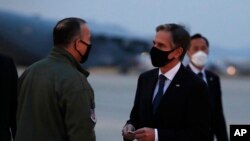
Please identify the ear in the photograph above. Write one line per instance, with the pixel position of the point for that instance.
(77, 43)
(178, 52)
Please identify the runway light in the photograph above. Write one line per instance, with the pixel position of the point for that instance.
(231, 70)
(144, 54)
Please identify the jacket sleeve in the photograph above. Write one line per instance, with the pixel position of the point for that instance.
(134, 114)
(75, 103)
(13, 97)
(220, 128)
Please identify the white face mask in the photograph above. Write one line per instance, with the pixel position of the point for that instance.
(199, 58)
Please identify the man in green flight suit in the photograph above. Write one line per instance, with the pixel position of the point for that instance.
(55, 100)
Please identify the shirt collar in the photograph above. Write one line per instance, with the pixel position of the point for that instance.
(172, 72)
(195, 70)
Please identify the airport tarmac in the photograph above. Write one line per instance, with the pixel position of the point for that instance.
(114, 96)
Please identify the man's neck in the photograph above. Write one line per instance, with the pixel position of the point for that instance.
(169, 66)
(199, 68)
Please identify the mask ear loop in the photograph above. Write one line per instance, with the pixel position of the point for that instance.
(78, 50)
(171, 51)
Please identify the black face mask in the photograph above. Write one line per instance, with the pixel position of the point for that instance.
(159, 58)
(86, 55)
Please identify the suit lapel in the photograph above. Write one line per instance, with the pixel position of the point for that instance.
(174, 86)
(188, 67)
(176, 83)
(150, 87)
(209, 78)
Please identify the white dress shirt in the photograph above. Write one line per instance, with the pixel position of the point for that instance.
(196, 71)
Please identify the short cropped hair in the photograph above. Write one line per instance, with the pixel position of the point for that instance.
(66, 29)
(198, 35)
(180, 36)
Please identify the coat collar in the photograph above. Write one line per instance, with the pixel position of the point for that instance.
(172, 72)
(62, 54)
(174, 86)
(209, 77)
(176, 81)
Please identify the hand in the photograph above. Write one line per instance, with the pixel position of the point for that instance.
(128, 132)
(145, 134)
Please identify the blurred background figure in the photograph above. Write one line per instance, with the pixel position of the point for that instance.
(8, 98)
(198, 53)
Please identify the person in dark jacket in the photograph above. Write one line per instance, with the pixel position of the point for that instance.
(55, 100)
(198, 53)
(171, 102)
(8, 98)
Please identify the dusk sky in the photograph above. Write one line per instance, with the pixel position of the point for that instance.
(226, 23)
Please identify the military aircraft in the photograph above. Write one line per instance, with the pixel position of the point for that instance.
(29, 38)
